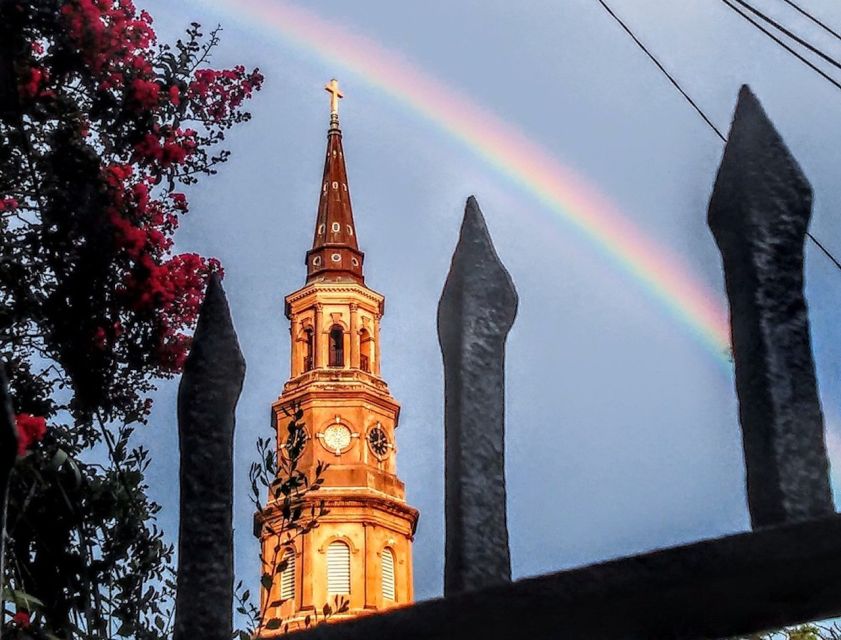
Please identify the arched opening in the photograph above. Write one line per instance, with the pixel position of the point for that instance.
(338, 568)
(388, 575)
(309, 349)
(287, 575)
(337, 346)
(365, 351)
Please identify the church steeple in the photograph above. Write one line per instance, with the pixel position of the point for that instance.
(361, 551)
(335, 254)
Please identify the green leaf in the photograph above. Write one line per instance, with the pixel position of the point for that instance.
(266, 581)
(77, 474)
(274, 623)
(22, 599)
(58, 459)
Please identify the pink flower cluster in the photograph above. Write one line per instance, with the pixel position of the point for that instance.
(21, 619)
(166, 147)
(217, 93)
(171, 289)
(31, 429)
(114, 51)
(32, 82)
(142, 224)
(8, 204)
(145, 94)
(112, 37)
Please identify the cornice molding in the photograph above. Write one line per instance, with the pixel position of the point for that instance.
(351, 288)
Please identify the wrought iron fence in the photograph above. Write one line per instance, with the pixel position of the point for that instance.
(785, 571)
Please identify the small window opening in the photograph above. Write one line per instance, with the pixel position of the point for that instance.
(309, 350)
(337, 347)
(365, 348)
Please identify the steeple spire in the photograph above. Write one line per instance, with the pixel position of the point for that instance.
(335, 254)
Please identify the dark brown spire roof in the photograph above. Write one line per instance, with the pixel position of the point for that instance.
(335, 254)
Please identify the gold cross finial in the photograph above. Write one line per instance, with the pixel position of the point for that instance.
(332, 88)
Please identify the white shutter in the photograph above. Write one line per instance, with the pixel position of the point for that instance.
(388, 575)
(338, 568)
(287, 576)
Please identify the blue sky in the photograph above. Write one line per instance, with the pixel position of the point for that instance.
(622, 431)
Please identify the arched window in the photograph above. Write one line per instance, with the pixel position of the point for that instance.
(337, 346)
(388, 575)
(365, 350)
(338, 568)
(309, 349)
(287, 576)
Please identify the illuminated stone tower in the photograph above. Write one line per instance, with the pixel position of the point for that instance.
(362, 550)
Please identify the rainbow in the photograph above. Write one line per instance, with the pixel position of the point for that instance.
(511, 153)
(518, 158)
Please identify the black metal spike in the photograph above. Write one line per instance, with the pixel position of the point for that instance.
(475, 313)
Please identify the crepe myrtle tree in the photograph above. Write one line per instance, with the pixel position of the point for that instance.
(101, 126)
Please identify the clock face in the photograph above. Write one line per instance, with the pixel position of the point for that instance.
(295, 442)
(337, 438)
(378, 441)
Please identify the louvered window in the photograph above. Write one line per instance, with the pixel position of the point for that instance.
(388, 575)
(338, 568)
(287, 576)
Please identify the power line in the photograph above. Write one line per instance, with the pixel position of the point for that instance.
(663, 69)
(812, 18)
(793, 36)
(805, 61)
(824, 249)
(695, 106)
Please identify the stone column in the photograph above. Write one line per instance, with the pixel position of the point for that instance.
(307, 553)
(354, 335)
(295, 350)
(318, 340)
(371, 572)
(375, 352)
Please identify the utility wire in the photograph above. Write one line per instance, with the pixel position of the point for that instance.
(805, 61)
(791, 35)
(824, 249)
(812, 18)
(663, 69)
(695, 106)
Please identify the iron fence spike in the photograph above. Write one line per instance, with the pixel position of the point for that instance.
(207, 399)
(475, 313)
(759, 214)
